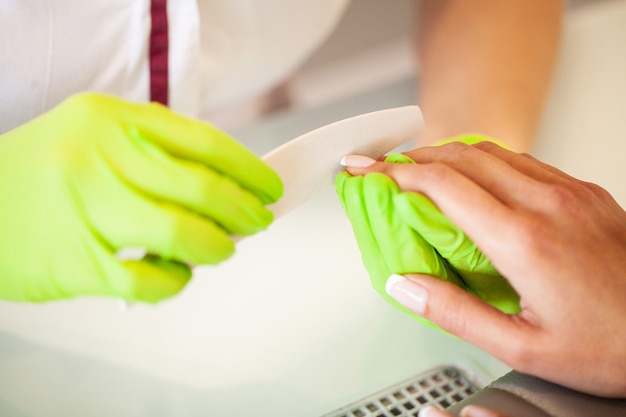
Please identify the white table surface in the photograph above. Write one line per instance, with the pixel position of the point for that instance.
(290, 325)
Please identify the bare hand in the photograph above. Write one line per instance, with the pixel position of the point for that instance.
(559, 241)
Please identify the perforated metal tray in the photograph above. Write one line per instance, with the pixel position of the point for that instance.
(442, 387)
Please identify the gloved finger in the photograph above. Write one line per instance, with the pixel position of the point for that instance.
(151, 280)
(200, 142)
(479, 276)
(403, 249)
(475, 269)
(464, 202)
(351, 195)
(180, 136)
(387, 244)
(422, 215)
(100, 273)
(189, 184)
(462, 314)
(168, 232)
(125, 218)
(350, 192)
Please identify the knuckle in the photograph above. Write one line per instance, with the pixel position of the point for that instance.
(402, 174)
(572, 200)
(435, 172)
(86, 102)
(597, 191)
(487, 146)
(558, 197)
(457, 148)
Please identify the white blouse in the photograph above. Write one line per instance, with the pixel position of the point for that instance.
(220, 51)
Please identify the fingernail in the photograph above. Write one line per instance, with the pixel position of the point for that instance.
(431, 411)
(356, 161)
(476, 411)
(407, 293)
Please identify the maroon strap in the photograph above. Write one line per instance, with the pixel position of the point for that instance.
(159, 52)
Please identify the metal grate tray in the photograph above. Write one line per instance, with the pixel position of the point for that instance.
(442, 387)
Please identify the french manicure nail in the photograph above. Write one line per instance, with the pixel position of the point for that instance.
(407, 293)
(356, 161)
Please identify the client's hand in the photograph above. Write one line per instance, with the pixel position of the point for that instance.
(560, 242)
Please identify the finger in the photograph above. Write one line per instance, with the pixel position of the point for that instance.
(534, 194)
(463, 315)
(350, 193)
(567, 180)
(548, 175)
(477, 272)
(500, 179)
(167, 231)
(380, 262)
(148, 280)
(124, 218)
(193, 140)
(478, 213)
(450, 241)
(400, 246)
(203, 143)
(525, 163)
(190, 184)
(151, 280)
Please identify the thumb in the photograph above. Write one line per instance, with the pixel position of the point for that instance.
(460, 313)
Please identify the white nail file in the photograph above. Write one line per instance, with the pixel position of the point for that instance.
(309, 163)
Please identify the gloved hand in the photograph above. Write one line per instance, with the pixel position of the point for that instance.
(388, 244)
(478, 275)
(400, 231)
(98, 174)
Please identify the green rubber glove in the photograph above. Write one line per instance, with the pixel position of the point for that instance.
(479, 276)
(98, 174)
(412, 236)
(387, 243)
